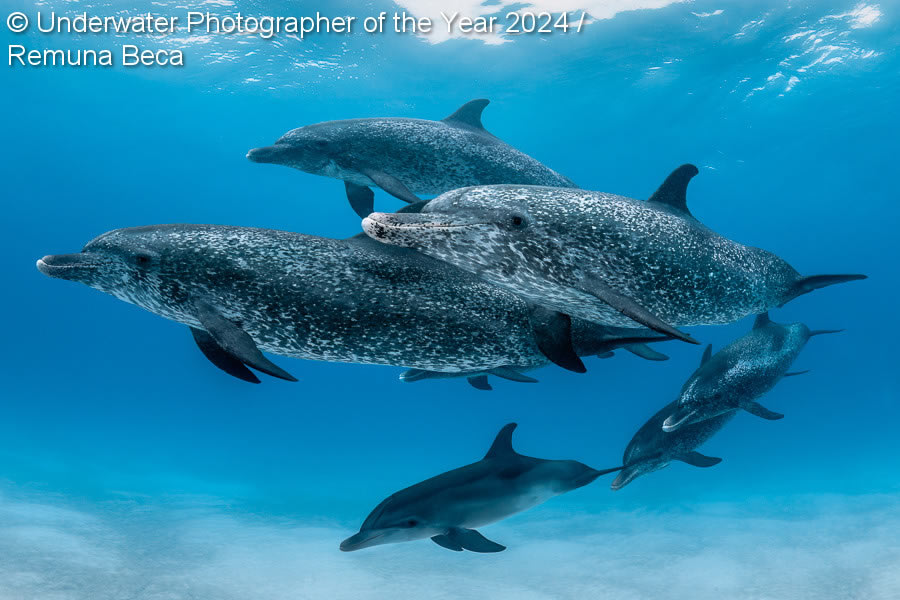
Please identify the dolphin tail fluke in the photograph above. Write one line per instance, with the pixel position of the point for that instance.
(824, 331)
(795, 373)
(805, 285)
(459, 538)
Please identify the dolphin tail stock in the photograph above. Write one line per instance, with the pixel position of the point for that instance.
(805, 285)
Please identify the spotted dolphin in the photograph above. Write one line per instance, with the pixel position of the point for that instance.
(740, 373)
(601, 257)
(651, 448)
(406, 157)
(449, 507)
(244, 291)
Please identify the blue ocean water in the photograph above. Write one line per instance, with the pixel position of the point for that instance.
(131, 468)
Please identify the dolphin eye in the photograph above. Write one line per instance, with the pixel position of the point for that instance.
(518, 222)
(412, 523)
(143, 260)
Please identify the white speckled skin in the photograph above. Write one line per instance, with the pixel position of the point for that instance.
(321, 299)
(429, 157)
(743, 371)
(540, 242)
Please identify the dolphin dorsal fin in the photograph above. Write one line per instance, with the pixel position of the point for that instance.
(502, 445)
(762, 320)
(673, 191)
(707, 354)
(469, 114)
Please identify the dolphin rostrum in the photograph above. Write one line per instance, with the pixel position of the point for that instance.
(243, 290)
(738, 374)
(601, 257)
(405, 157)
(449, 507)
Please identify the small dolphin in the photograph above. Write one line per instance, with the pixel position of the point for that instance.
(601, 257)
(741, 372)
(242, 291)
(405, 157)
(447, 508)
(651, 448)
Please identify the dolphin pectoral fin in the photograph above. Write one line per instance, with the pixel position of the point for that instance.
(512, 375)
(646, 352)
(445, 541)
(631, 309)
(698, 460)
(391, 185)
(758, 410)
(470, 539)
(479, 382)
(553, 335)
(673, 191)
(236, 342)
(362, 199)
(222, 359)
(795, 373)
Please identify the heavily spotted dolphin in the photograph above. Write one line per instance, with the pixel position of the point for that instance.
(405, 157)
(651, 448)
(447, 508)
(243, 291)
(741, 372)
(601, 257)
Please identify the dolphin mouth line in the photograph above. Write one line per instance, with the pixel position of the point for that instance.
(670, 425)
(438, 226)
(49, 267)
(367, 540)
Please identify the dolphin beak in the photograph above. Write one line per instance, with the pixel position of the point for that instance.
(677, 419)
(267, 154)
(409, 229)
(67, 266)
(623, 479)
(363, 539)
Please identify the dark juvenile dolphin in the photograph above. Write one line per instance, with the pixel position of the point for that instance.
(738, 374)
(243, 290)
(405, 157)
(447, 508)
(601, 257)
(651, 448)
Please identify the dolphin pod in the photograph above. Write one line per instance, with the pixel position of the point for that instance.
(510, 269)
(242, 291)
(406, 157)
(741, 372)
(601, 257)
